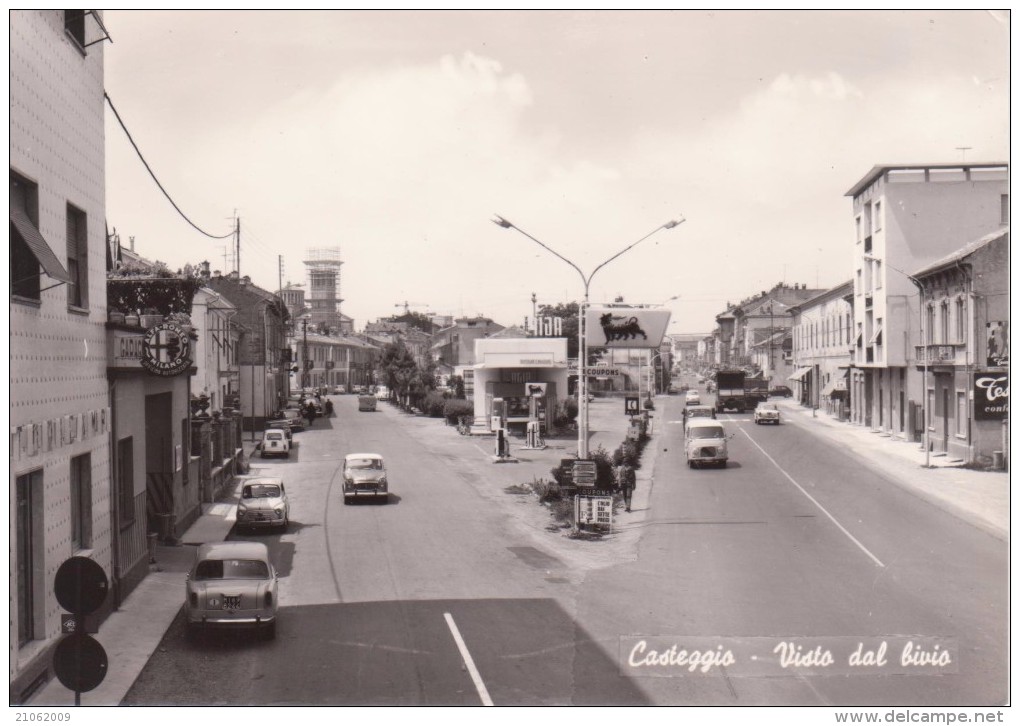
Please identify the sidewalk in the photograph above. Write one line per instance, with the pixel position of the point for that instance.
(978, 497)
(131, 634)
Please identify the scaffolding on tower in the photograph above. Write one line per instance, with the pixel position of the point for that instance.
(323, 265)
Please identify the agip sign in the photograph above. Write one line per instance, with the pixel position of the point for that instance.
(625, 327)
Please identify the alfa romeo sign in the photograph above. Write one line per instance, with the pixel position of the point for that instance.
(625, 327)
(166, 350)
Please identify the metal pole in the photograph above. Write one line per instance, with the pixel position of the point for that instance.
(582, 382)
(304, 359)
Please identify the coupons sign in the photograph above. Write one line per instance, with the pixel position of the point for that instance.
(622, 326)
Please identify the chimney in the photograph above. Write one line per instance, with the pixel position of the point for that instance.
(131, 241)
(234, 275)
(203, 270)
(246, 279)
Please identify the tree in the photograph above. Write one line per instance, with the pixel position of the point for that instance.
(568, 312)
(416, 320)
(409, 381)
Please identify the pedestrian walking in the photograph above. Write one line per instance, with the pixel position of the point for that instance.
(310, 413)
(626, 480)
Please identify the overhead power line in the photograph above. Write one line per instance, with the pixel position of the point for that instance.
(153, 175)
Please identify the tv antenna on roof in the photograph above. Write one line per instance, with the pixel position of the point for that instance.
(963, 151)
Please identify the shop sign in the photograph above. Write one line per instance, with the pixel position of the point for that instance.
(991, 396)
(536, 390)
(625, 327)
(584, 473)
(997, 343)
(166, 350)
(545, 326)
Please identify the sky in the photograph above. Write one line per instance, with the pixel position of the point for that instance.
(397, 136)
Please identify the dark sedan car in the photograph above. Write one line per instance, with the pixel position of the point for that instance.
(783, 391)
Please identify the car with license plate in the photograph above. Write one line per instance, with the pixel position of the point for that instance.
(705, 443)
(232, 585)
(692, 397)
(766, 413)
(278, 422)
(263, 504)
(275, 442)
(364, 475)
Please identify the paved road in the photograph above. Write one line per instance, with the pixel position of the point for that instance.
(368, 593)
(796, 538)
(384, 604)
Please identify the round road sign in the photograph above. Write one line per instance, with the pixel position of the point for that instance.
(80, 585)
(80, 662)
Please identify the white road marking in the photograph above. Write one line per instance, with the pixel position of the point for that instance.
(468, 661)
(814, 501)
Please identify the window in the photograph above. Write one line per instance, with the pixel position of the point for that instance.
(24, 265)
(28, 496)
(876, 338)
(857, 226)
(961, 413)
(81, 502)
(929, 325)
(878, 216)
(126, 479)
(74, 26)
(944, 319)
(77, 258)
(1004, 209)
(961, 320)
(878, 274)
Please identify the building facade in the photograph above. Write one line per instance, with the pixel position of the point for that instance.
(217, 373)
(505, 366)
(964, 360)
(906, 217)
(821, 336)
(264, 353)
(455, 345)
(59, 398)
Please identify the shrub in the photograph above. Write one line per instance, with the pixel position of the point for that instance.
(454, 408)
(566, 413)
(434, 404)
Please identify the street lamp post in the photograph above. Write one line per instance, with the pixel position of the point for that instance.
(582, 352)
(304, 358)
(925, 348)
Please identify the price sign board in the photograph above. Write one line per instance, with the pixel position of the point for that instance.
(584, 473)
(595, 510)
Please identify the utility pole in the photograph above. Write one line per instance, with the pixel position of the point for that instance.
(237, 236)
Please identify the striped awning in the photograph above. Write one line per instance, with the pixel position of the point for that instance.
(38, 246)
(799, 374)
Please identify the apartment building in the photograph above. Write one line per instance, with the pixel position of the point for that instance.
(905, 217)
(822, 332)
(60, 401)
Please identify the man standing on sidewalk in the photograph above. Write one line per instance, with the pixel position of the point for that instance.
(626, 480)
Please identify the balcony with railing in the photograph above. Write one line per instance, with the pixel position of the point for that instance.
(947, 354)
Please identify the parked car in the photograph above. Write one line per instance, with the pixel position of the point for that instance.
(766, 413)
(705, 443)
(783, 391)
(232, 584)
(294, 417)
(339, 390)
(278, 422)
(692, 397)
(275, 442)
(263, 503)
(382, 392)
(365, 475)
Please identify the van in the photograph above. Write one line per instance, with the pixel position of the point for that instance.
(366, 402)
(705, 443)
